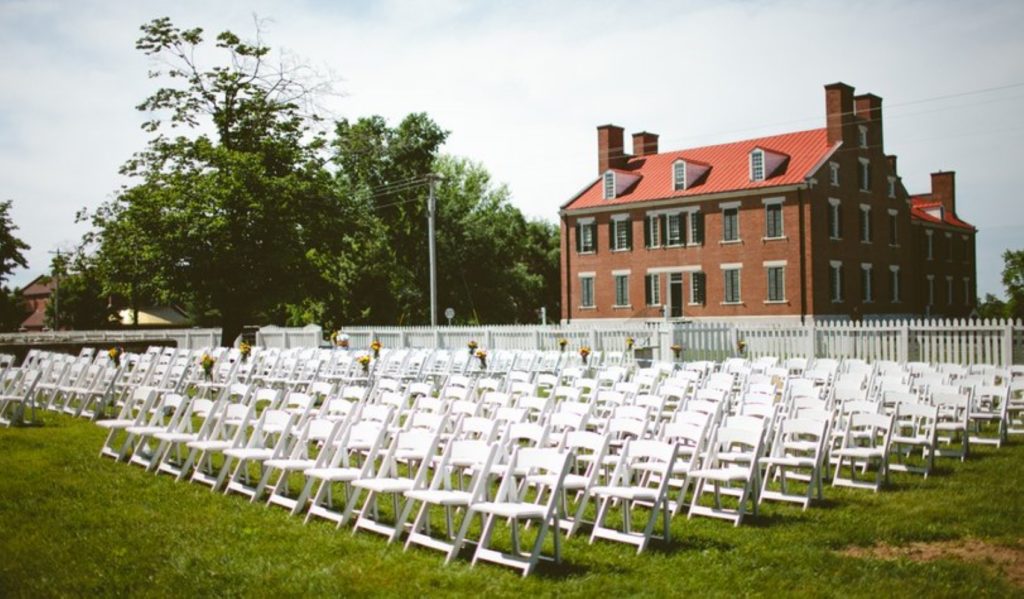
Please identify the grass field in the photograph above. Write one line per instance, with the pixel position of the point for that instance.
(74, 524)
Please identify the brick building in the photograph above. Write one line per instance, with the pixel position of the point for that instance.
(808, 224)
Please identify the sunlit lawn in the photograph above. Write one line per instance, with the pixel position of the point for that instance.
(72, 523)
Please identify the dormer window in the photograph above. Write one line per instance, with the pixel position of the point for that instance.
(679, 175)
(757, 165)
(765, 163)
(609, 185)
(833, 173)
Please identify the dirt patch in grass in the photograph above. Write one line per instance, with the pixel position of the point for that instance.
(1000, 559)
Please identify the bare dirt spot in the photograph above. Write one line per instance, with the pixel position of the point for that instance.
(1001, 560)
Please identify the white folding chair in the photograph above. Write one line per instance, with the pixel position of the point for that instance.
(865, 443)
(640, 479)
(798, 448)
(732, 463)
(508, 504)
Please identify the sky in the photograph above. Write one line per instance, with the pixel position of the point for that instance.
(522, 86)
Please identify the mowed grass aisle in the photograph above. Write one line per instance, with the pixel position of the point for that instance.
(74, 524)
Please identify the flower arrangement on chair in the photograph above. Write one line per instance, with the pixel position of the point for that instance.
(741, 346)
(375, 347)
(364, 361)
(585, 353)
(244, 350)
(115, 355)
(482, 356)
(472, 345)
(630, 342)
(677, 350)
(207, 362)
(562, 342)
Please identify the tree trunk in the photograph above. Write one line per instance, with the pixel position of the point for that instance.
(231, 327)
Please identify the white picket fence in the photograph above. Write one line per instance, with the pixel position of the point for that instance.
(958, 341)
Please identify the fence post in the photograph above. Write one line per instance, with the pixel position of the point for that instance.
(812, 340)
(593, 340)
(437, 337)
(1007, 342)
(904, 350)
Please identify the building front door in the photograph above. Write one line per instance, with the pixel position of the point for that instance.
(675, 293)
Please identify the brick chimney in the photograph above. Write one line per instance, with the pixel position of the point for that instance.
(839, 114)
(944, 190)
(610, 150)
(869, 111)
(645, 143)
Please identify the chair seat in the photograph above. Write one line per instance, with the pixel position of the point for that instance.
(510, 510)
(911, 440)
(210, 445)
(574, 482)
(859, 452)
(627, 493)
(334, 474)
(727, 474)
(249, 453)
(384, 485)
(146, 430)
(176, 437)
(290, 464)
(440, 496)
(789, 461)
(115, 423)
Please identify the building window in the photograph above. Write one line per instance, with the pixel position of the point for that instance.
(931, 290)
(776, 283)
(865, 223)
(698, 287)
(865, 174)
(732, 285)
(675, 228)
(835, 219)
(893, 235)
(621, 290)
(835, 281)
(862, 136)
(894, 284)
(609, 185)
(966, 249)
(696, 228)
(652, 231)
(757, 165)
(587, 292)
(967, 291)
(949, 291)
(949, 247)
(622, 234)
(652, 289)
(866, 292)
(586, 235)
(892, 187)
(773, 221)
(679, 175)
(833, 173)
(731, 224)
(929, 247)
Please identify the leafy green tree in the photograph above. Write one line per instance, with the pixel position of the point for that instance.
(221, 216)
(493, 264)
(1013, 281)
(12, 306)
(80, 297)
(991, 307)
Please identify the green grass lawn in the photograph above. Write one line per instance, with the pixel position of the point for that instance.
(74, 524)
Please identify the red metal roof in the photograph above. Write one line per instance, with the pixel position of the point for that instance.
(730, 169)
(920, 202)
